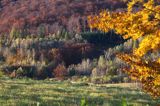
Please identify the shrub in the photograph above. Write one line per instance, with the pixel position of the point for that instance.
(72, 72)
(47, 70)
(102, 62)
(94, 73)
(112, 70)
(84, 68)
(116, 79)
(23, 72)
(107, 79)
(97, 80)
(60, 71)
(43, 72)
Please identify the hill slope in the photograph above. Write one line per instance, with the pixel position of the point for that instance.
(50, 15)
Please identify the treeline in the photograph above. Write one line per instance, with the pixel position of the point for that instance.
(64, 57)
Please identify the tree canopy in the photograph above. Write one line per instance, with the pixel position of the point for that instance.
(141, 20)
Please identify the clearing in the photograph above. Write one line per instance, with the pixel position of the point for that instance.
(27, 92)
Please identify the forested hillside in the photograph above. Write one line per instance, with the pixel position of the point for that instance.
(32, 16)
(80, 52)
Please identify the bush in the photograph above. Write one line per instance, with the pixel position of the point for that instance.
(97, 80)
(72, 72)
(116, 79)
(107, 79)
(60, 71)
(47, 70)
(43, 72)
(84, 68)
(22, 72)
(102, 62)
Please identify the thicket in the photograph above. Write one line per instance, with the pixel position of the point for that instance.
(42, 55)
(52, 57)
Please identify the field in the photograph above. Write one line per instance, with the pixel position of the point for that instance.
(27, 92)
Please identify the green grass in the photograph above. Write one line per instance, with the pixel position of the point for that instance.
(27, 92)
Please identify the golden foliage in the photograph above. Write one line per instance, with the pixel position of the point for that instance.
(147, 72)
(142, 21)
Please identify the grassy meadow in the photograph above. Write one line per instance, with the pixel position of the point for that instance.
(28, 92)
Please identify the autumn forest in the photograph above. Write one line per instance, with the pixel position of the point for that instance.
(80, 52)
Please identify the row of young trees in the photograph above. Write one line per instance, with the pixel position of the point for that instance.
(141, 20)
(23, 33)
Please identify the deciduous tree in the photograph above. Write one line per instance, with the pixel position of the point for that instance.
(141, 20)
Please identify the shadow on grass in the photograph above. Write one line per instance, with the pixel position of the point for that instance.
(133, 97)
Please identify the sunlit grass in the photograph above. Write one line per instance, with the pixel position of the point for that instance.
(18, 92)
